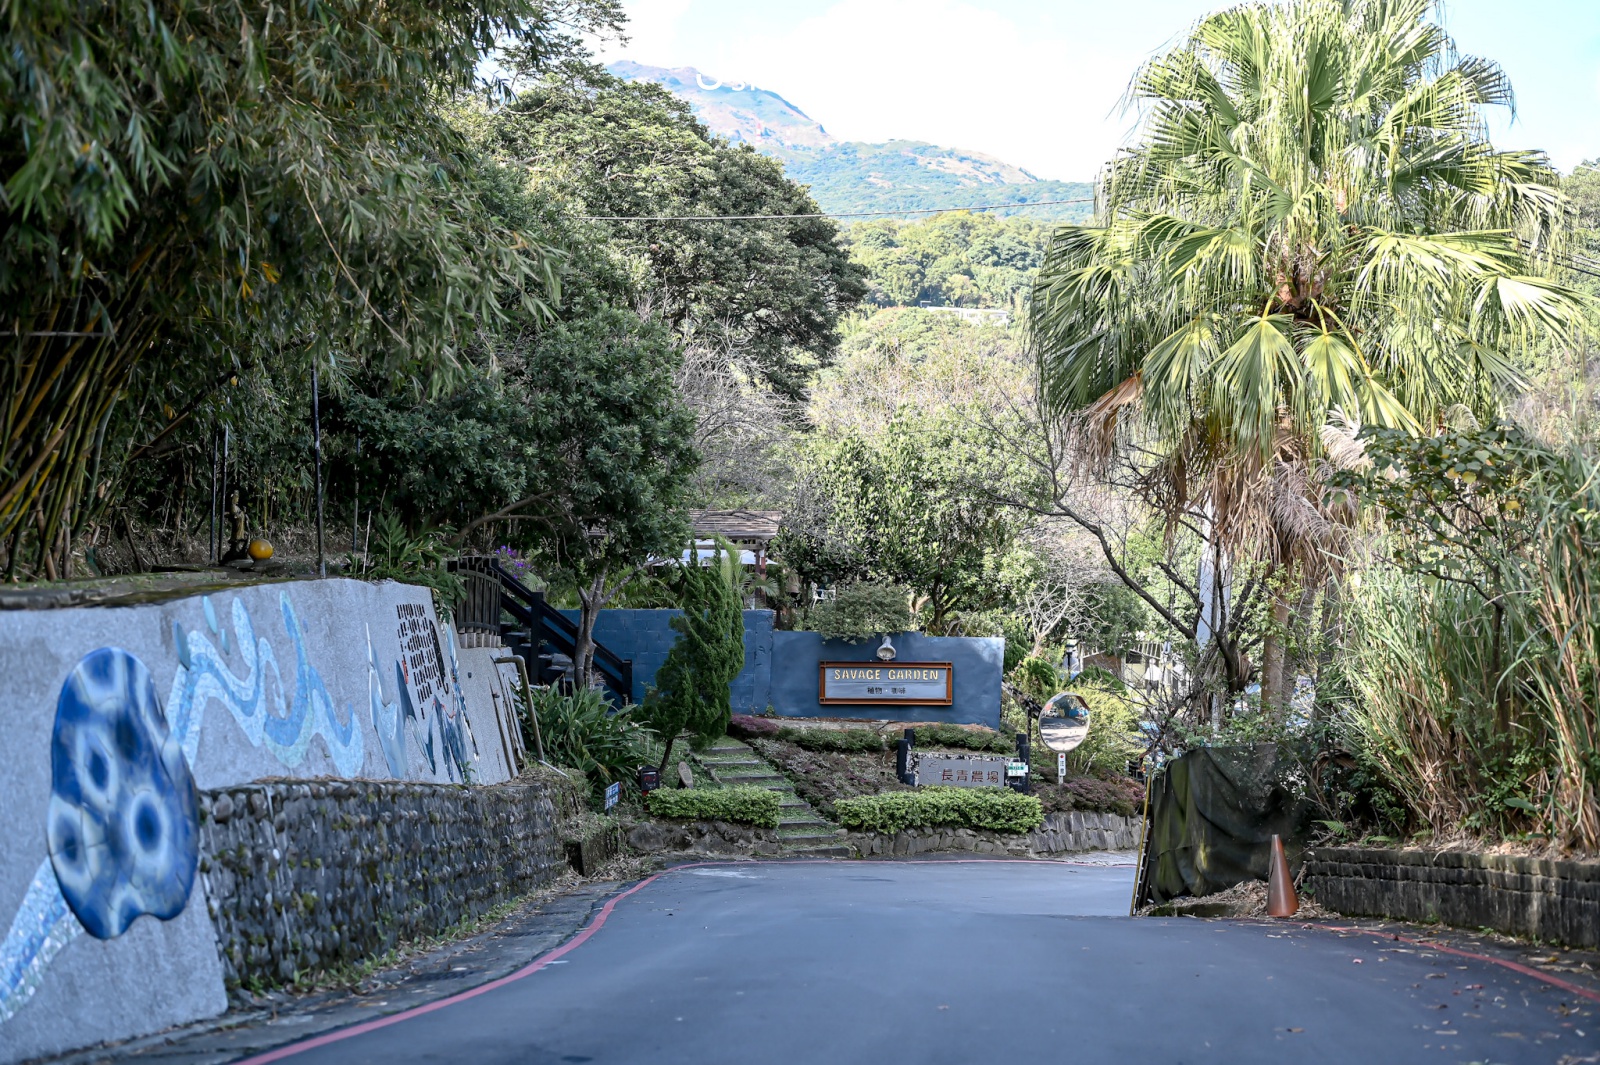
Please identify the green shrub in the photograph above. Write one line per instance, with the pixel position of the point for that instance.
(1114, 738)
(965, 738)
(398, 555)
(580, 729)
(812, 739)
(862, 739)
(745, 804)
(999, 809)
(1037, 677)
(862, 610)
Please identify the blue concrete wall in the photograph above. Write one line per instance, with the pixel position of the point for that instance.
(780, 668)
(645, 636)
(978, 662)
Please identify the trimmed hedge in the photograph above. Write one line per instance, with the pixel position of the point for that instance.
(745, 726)
(745, 804)
(815, 739)
(998, 809)
(970, 739)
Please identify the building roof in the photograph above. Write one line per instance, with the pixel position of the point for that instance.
(737, 526)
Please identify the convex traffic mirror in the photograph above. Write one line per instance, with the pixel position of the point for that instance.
(1064, 722)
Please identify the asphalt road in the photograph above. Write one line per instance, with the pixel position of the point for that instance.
(969, 963)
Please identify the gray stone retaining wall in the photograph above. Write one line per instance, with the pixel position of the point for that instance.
(1060, 834)
(302, 874)
(1556, 901)
(718, 838)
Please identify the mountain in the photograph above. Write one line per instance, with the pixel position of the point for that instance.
(766, 120)
(851, 176)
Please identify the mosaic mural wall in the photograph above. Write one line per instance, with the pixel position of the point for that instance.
(118, 715)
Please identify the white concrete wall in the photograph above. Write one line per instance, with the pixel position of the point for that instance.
(115, 715)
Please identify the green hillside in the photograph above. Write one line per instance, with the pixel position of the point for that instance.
(849, 177)
(905, 176)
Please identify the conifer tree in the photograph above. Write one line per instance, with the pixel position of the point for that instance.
(691, 691)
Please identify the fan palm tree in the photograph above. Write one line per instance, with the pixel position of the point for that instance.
(1312, 224)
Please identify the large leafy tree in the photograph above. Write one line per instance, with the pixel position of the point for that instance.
(773, 290)
(1312, 226)
(900, 481)
(610, 487)
(192, 190)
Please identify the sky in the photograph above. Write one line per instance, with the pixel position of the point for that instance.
(1039, 83)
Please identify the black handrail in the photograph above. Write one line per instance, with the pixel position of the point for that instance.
(545, 624)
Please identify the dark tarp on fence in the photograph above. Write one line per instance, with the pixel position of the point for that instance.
(1213, 813)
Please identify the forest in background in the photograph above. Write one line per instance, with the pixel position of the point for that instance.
(1247, 427)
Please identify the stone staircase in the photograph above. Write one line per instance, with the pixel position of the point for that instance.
(800, 829)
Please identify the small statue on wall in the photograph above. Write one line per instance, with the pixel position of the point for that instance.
(241, 548)
(238, 539)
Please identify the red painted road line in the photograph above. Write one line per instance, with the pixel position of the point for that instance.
(416, 1011)
(908, 861)
(1515, 967)
(570, 945)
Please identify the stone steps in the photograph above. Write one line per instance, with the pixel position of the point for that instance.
(820, 830)
(838, 851)
(801, 830)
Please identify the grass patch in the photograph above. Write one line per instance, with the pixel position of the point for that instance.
(996, 809)
(744, 804)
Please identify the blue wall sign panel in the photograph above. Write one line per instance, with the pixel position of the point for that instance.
(782, 670)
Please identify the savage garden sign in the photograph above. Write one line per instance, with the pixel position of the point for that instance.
(905, 683)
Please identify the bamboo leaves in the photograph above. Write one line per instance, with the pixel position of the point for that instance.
(158, 155)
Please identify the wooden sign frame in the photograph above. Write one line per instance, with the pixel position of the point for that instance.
(949, 684)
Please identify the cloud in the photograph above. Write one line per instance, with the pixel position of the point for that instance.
(652, 28)
(1038, 87)
(942, 71)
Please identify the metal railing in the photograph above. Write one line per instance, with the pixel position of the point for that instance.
(535, 625)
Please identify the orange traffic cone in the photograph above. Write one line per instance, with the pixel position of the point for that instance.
(1281, 898)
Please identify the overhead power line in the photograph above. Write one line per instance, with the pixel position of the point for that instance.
(818, 214)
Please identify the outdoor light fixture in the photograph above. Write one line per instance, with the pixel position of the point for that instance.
(886, 651)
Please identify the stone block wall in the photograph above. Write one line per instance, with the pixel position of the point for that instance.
(1556, 901)
(714, 838)
(1085, 830)
(1060, 834)
(301, 874)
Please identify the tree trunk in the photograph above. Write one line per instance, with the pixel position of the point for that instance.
(1274, 693)
(590, 600)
